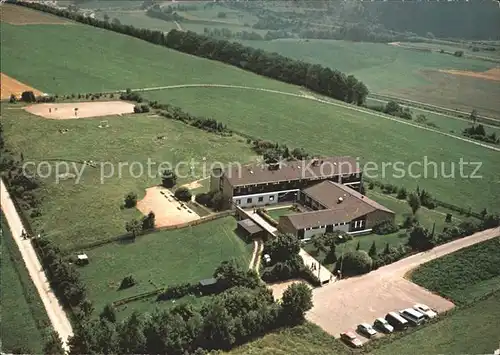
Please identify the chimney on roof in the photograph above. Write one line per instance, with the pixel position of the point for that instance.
(340, 200)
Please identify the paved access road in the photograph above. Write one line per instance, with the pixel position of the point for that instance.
(342, 305)
(57, 316)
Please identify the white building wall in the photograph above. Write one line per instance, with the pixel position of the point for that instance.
(308, 234)
(268, 198)
(343, 228)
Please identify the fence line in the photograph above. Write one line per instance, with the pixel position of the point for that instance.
(127, 236)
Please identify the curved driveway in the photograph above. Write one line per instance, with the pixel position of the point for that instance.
(341, 305)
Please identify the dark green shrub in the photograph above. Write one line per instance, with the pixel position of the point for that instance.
(130, 200)
(385, 227)
(355, 262)
(127, 282)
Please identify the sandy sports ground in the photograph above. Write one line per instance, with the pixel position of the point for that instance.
(168, 211)
(9, 86)
(18, 15)
(492, 74)
(66, 111)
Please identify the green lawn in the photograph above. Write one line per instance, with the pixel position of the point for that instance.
(425, 216)
(162, 258)
(79, 213)
(471, 330)
(398, 71)
(24, 321)
(149, 305)
(464, 275)
(276, 213)
(307, 339)
(79, 59)
(340, 130)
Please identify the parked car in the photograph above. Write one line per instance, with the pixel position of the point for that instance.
(351, 339)
(366, 329)
(412, 316)
(396, 321)
(425, 310)
(383, 325)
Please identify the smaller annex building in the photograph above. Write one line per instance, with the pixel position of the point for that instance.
(332, 206)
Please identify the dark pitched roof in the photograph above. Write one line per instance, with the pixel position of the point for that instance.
(320, 168)
(250, 226)
(328, 193)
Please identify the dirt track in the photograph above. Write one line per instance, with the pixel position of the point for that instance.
(9, 86)
(492, 74)
(57, 316)
(342, 305)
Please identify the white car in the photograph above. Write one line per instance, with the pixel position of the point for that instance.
(366, 329)
(383, 325)
(425, 310)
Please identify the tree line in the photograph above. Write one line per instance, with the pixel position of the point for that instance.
(315, 77)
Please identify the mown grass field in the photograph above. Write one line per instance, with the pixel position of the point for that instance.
(339, 130)
(162, 258)
(78, 212)
(24, 321)
(400, 72)
(306, 339)
(464, 275)
(83, 59)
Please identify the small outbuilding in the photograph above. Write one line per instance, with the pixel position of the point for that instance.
(250, 229)
(208, 286)
(82, 259)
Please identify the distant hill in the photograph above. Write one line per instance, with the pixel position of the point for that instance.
(473, 19)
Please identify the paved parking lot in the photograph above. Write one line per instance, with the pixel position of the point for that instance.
(340, 306)
(344, 304)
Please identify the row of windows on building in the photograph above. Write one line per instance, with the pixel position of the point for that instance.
(250, 199)
(357, 224)
(335, 225)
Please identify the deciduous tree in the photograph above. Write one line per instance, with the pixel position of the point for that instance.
(296, 301)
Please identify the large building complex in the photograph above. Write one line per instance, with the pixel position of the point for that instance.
(255, 185)
(330, 206)
(327, 191)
